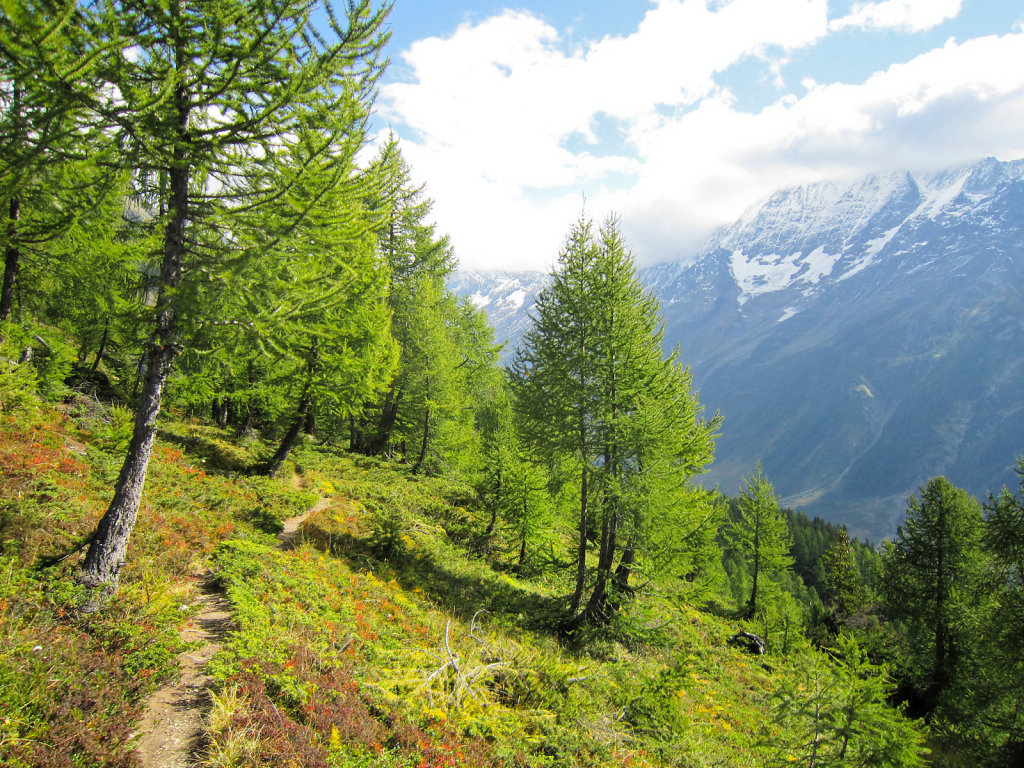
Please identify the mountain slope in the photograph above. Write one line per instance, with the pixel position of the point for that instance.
(862, 338)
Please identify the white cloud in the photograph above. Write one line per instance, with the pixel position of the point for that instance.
(950, 105)
(907, 15)
(495, 116)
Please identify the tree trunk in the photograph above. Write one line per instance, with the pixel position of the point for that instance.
(423, 446)
(12, 260)
(620, 582)
(385, 425)
(12, 254)
(494, 506)
(106, 554)
(597, 610)
(291, 437)
(103, 346)
(752, 602)
(581, 548)
(522, 542)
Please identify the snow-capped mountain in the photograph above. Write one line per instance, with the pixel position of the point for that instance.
(861, 338)
(506, 297)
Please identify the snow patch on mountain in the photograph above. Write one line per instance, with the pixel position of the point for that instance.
(515, 299)
(761, 274)
(818, 264)
(938, 199)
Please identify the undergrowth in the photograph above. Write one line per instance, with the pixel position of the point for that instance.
(392, 634)
(72, 687)
(386, 639)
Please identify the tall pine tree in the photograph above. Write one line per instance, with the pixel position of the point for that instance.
(930, 586)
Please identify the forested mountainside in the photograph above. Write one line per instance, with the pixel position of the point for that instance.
(857, 338)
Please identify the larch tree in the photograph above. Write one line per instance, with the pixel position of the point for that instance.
(446, 346)
(593, 387)
(833, 709)
(930, 586)
(208, 95)
(998, 700)
(761, 534)
(843, 590)
(418, 262)
(59, 178)
(554, 380)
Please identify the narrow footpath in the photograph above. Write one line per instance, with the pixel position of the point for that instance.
(172, 726)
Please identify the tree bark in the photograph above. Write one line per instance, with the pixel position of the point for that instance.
(620, 582)
(494, 505)
(385, 425)
(106, 554)
(12, 254)
(423, 446)
(581, 548)
(103, 346)
(291, 437)
(752, 602)
(12, 260)
(597, 609)
(522, 542)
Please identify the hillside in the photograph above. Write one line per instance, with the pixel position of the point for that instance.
(391, 633)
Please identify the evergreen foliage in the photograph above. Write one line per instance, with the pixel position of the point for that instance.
(595, 394)
(843, 589)
(837, 708)
(761, 536)
(185, 223)
(237, 117)
(931, 587)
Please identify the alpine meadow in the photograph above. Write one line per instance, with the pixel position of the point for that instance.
(274, 494)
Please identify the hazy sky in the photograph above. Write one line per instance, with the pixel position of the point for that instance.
(678, 114)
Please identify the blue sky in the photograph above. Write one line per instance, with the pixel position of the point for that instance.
(678, 114)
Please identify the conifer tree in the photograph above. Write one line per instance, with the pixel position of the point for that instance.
(555, 382)
(210, 96)
(422, 314)
(761, 535)
(930, 585)
(58, 174)
(836, 707)
(596, 393)
(843, 590)
(998, 700)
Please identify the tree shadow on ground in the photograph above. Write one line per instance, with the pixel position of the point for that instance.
(463, 595)
(217, 449)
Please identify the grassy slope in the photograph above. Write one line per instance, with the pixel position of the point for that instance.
(387, 637)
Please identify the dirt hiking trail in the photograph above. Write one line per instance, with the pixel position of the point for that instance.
(172, 726)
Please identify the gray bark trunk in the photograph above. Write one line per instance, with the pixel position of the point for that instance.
(106, 555)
